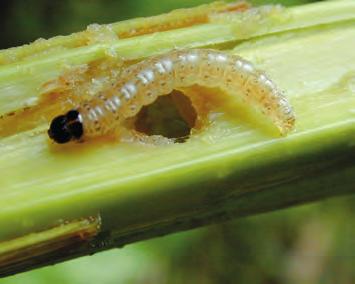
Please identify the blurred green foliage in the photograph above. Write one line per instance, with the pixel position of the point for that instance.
(307, 244)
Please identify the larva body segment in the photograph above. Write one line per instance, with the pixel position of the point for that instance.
(141, 84)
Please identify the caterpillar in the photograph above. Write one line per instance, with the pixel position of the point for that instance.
(140, 84)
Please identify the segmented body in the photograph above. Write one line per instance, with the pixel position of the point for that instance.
(141, 84)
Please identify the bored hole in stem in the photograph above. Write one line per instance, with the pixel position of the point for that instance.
(171, 116)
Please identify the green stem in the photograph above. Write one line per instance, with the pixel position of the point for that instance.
(229, 169)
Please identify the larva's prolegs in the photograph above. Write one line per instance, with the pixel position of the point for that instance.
(142, 83)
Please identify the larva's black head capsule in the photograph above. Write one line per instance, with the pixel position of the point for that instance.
(66, 127)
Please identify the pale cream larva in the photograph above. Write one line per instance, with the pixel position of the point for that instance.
(141, 84)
